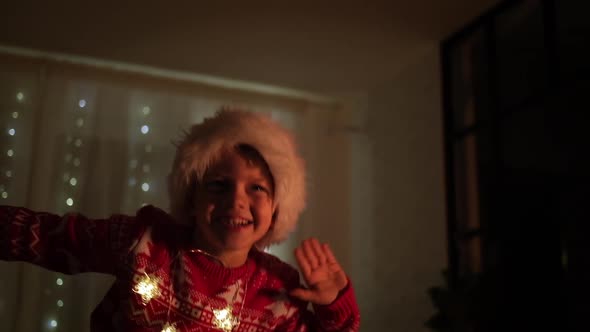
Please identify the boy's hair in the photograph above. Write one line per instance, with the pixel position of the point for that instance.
(204, 143)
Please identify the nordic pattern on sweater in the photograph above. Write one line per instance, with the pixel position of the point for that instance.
(190, 284)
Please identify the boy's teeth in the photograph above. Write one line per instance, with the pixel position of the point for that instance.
(237, 222)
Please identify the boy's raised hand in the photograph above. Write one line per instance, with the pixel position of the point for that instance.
(322, 273)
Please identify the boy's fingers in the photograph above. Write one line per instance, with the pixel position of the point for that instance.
(310, 253)
(303, 294)
(317, 249)
(302, 261)
(329, 254)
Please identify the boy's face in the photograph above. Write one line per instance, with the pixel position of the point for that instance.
(233, 202)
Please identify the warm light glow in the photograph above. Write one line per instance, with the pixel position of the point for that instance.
(11, 131)
(145, 129)
(224, 319)
(53, 323)
(10, 153)
(221, 314)
(60, 303)
(82, 103)
(20, 96)
(169, 328)
(4, 195)
(59, 281)
(73, 181)
(15, 115)
(145, 186)
(69, 202)
(147, 288)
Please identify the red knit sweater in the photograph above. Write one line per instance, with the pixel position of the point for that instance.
(190, 286)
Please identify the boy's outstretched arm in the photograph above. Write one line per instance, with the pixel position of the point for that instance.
(329, 288)
(68, 244)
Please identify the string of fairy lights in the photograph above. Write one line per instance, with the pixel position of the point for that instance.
(10, 146)
(69, 192)
(73, 153)
(139, 180)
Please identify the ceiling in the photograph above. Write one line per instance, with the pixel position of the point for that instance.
(318, 46)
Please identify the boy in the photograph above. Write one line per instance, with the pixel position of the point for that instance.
(237, 185)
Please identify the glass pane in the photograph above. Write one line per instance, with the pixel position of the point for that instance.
(521, 57)
(469, 81)
(472, 174)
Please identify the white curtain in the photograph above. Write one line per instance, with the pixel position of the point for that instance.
(95, 141)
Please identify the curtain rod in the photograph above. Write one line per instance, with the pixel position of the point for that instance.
(169, 74)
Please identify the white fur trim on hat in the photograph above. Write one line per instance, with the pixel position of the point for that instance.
(226, 130)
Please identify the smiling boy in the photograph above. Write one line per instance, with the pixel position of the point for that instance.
(237, 186)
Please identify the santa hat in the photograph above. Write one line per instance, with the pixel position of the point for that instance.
(205, 142)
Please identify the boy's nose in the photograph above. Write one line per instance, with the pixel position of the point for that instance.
(238, 197)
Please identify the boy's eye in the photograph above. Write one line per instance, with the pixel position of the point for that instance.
(261, 188)
(215, 185)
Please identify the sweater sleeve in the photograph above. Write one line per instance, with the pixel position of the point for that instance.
(68, 244)
(342, 315)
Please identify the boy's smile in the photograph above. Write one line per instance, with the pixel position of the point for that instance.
(233, 204)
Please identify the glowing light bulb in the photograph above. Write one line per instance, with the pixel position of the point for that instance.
(59, 281)
(73, 182)
(11, 132)
(10, 153)
(145, 186)
(82, 103)
(145, 129)
(4, 195)
(69, 202)
(20, 96)
(53, 323)
(146, 110)
(147, 288)
(169, 328)
(15, 115)
(60, 303)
